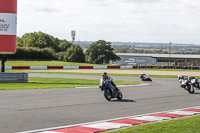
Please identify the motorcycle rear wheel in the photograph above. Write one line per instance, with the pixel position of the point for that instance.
(119, 95)
(189, 90)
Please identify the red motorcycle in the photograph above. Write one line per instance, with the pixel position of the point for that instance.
(145, 77)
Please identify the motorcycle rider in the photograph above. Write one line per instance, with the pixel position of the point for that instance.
(185, 83)
(179, 77)
(103, 79)
(141, 75)
(190, 78)
(194, 81)
(182, 80)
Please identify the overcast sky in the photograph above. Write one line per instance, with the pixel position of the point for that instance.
(176, 21)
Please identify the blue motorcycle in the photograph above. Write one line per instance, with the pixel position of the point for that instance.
(111, 92)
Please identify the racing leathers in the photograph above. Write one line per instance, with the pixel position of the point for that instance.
(102, 83)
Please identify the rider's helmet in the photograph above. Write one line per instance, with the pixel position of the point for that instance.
(141, 75)
(190, 77)
(184, 78)
(179, 77)
(104, 75)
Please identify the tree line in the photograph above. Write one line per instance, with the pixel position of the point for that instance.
(121, 49)
(153, 50)
(39, 45)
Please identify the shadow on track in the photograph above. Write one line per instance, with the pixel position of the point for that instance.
(196, 93)
(123, 100)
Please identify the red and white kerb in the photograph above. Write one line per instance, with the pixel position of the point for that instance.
(8, 26)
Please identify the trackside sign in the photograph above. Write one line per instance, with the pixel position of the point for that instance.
(8, 26)
(8, 23)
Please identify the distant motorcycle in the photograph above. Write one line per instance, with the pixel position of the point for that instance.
(111, 92)
(194, 81)
(186, 84)
(145, 77)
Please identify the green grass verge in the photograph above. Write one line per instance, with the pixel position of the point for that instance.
(44, 83)
(45, 63)
(184, 125)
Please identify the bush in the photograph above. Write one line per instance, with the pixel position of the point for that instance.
(75, 54)
(60, 56)
(34, 53)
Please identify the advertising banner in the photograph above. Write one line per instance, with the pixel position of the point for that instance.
(8, 26)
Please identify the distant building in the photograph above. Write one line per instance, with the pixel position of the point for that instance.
(133, 58)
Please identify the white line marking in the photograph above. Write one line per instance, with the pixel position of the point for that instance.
(151, 118)
(108, 125)
(183, 112)
(49, 132)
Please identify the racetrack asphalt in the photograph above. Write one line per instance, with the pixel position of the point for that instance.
(24, 110)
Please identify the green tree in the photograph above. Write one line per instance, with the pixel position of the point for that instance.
(19, 42)
(74, 54)
(64, 45)
(40, 40)
(100, 52)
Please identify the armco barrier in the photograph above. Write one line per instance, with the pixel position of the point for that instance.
(7, 67)
(54, 67)
(85, 67)
(71, 67)
(96, 67)
(100, 67)
(38, 67)
(113, 67)
(67, 67)
(21, 67)
(126, 67)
